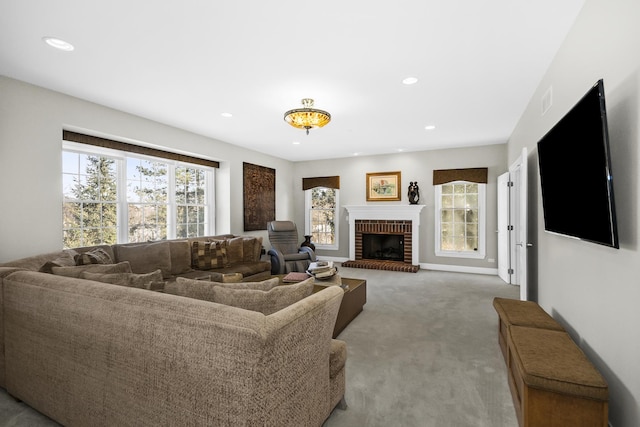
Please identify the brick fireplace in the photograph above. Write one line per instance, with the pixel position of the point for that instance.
(384, 237)
(377, 230)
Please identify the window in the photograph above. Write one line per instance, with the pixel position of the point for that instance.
(90, 199)
(111, 196)
(321, 205)
(460, 219)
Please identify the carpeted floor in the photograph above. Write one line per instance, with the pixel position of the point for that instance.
(424, 352)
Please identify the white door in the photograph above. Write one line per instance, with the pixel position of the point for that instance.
(504, 257)
(512, 209)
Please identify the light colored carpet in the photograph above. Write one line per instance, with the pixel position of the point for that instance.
(424, 352)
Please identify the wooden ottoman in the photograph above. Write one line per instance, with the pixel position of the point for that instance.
(520, 313)
(552, 382)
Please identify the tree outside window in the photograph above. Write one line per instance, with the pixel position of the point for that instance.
(321, 224)
(90, 200)
(150, 200)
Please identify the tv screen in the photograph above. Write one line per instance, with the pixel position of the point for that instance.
(575, 173)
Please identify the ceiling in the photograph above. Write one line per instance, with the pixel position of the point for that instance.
(184, 63)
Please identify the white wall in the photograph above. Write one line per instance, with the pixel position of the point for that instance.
(31, 123)
(593, 290)
(415, 166)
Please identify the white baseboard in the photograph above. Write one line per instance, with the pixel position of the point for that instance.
(460, 269)
(437, 267)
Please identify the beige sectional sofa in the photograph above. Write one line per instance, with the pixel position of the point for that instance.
(85, 352)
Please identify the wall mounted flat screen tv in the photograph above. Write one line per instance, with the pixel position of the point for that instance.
(575, 173)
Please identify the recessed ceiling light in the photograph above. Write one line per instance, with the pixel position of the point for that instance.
(227, 115)
(400, 150)
(296, 142)
(430, 127)
(410, 80)
(58, 43)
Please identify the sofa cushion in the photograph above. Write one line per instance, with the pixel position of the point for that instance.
(264, 285)
(77, 270)
(203, 289)
(152, 281)
(147, 257)
(252, 250)
(180, 256)
(235, 250)
(208, 255)
(266, 302)
(94, 256)
(66, 259)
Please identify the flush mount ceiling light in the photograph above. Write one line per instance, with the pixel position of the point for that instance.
(307, 117)
(58, 43)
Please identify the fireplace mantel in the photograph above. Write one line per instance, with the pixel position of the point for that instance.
(387, 212)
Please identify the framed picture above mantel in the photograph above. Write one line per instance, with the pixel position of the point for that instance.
(383, 186)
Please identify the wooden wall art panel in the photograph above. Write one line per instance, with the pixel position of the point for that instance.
(259, 191)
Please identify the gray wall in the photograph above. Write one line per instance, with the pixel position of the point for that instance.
(31, 123)
(416, 166)
(594, 290)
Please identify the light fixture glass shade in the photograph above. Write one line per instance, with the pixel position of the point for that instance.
(307, 117)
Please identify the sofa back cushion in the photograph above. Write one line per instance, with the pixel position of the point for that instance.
(265, 302)
(77, 270)
(235, 250)
(146, 257)
(252, 248)
(152, 281)
(180, 256)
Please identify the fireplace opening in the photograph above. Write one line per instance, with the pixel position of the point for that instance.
(389, 247)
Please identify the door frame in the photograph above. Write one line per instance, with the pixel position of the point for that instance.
(514, 209)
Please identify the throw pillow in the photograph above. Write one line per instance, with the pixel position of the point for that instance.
(203, 290)
(66, 259)
(147, 257)
(77, 270)
(94, 256)
(141, 281)
(208, 255)
(266, 302)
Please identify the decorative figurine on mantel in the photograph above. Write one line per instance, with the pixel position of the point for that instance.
(414, 193)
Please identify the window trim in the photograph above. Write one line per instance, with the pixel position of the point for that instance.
(307, 220)
(482, 223)
(121, 204)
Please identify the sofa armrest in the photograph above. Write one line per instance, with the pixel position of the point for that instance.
(301, 332)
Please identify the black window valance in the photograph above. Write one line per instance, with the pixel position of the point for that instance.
(68, 135)
(321, 181)
(442, 176)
